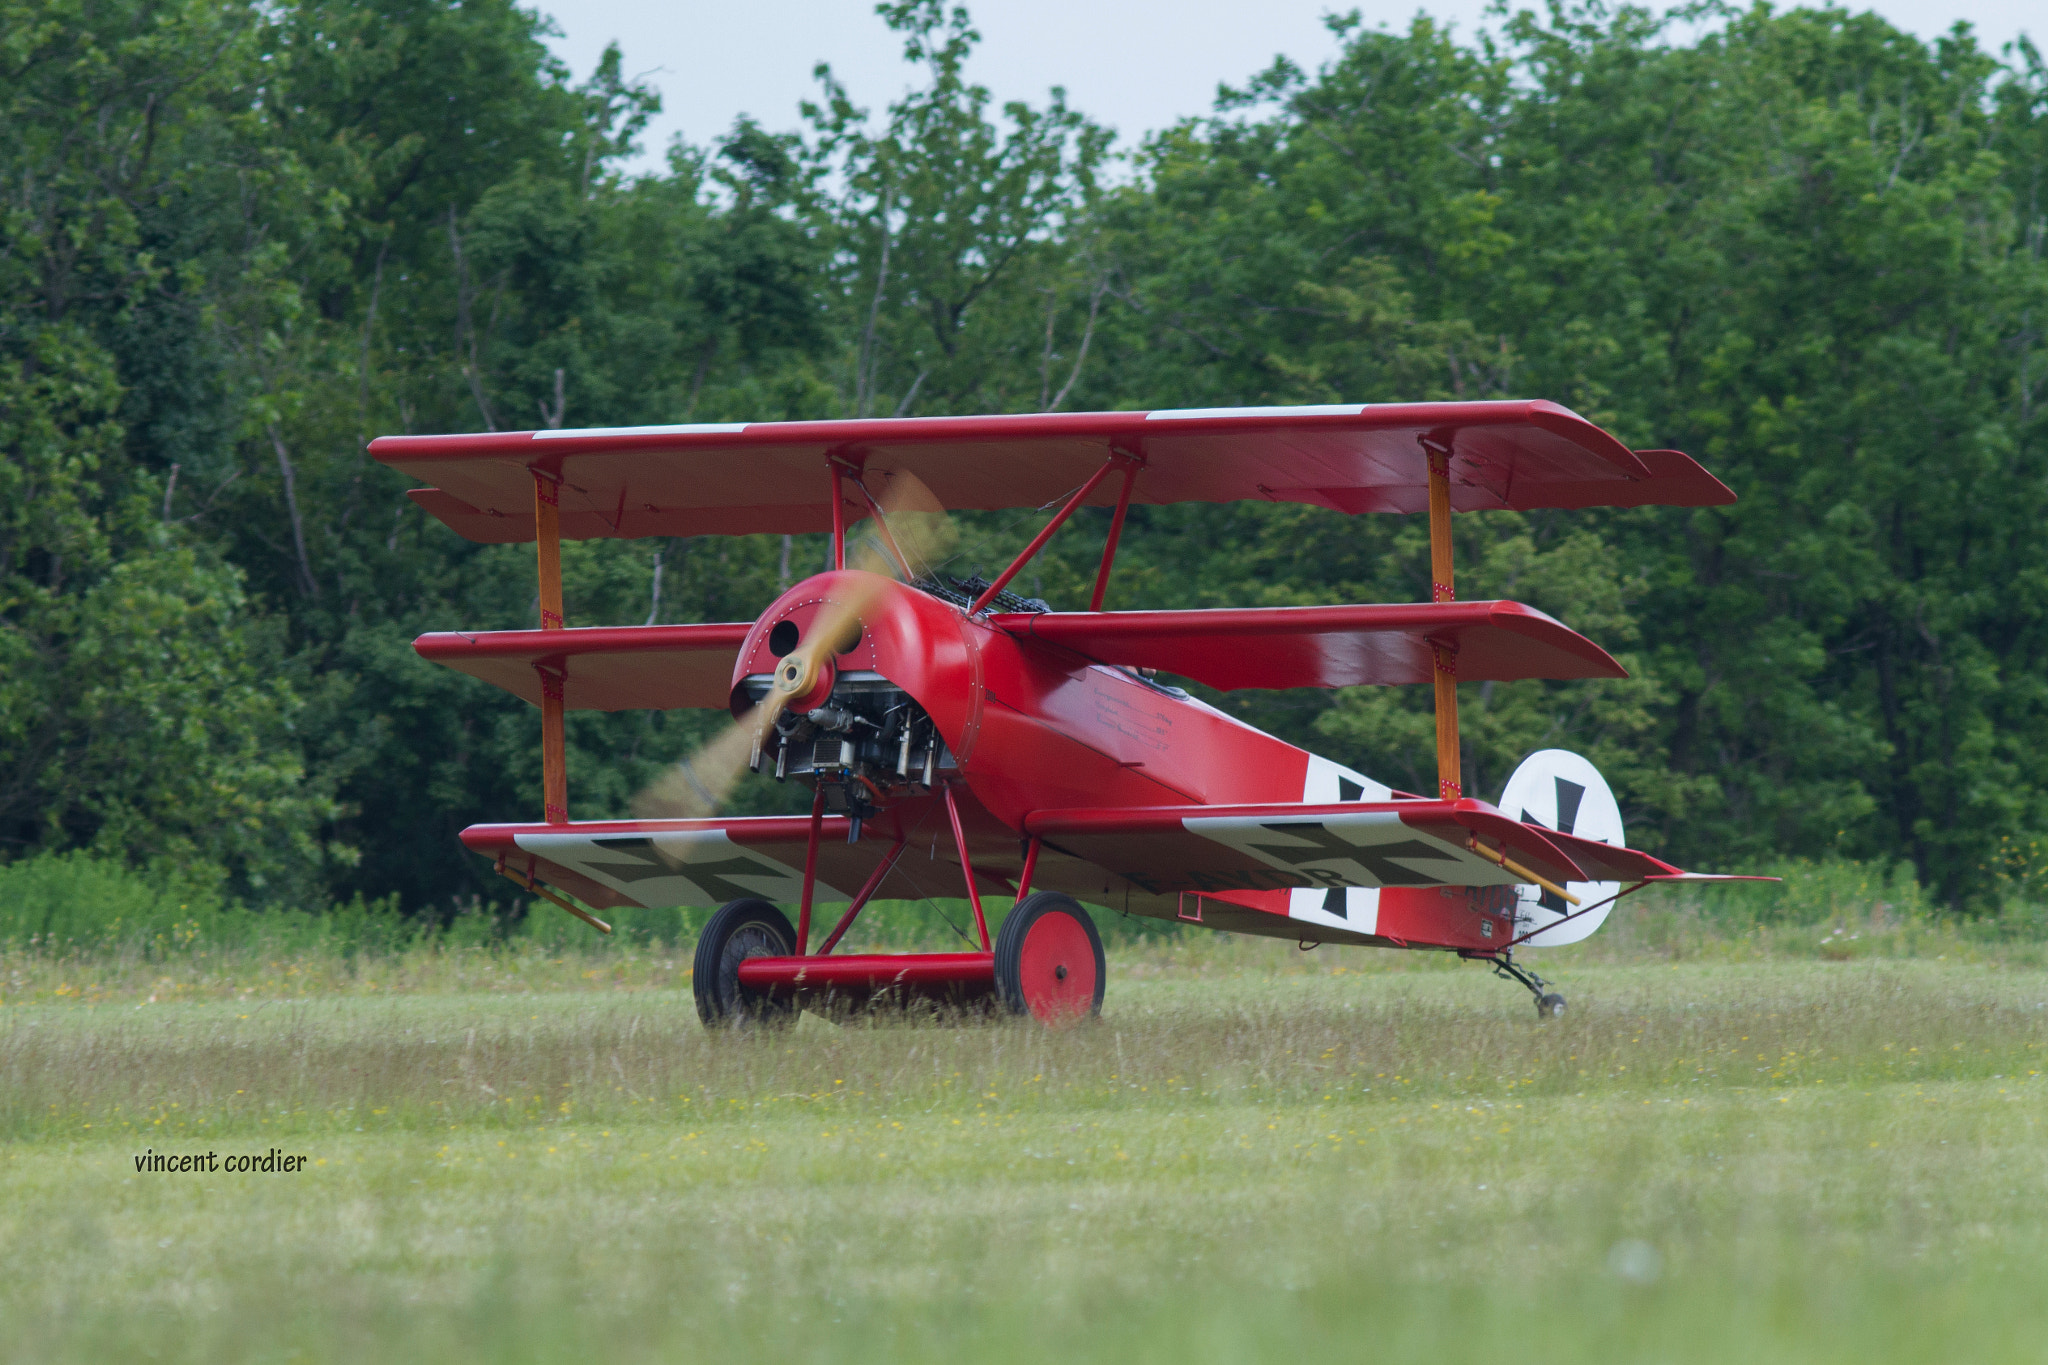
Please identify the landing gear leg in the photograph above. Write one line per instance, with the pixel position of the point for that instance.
(1549, 1004)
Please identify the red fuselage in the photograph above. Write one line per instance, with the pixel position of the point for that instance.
(1034, 726)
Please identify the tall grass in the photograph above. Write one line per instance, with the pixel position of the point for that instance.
(523, 1147)
(1235, 1030)
(1835, 910)
(76, 904)
(75, 925)
(1246, 1159)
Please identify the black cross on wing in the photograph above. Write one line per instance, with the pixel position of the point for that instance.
(711, 878)
(1325, 847)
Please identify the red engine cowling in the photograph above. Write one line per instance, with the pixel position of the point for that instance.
(911, 638)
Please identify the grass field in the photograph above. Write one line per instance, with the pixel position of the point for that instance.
(1256, 1154)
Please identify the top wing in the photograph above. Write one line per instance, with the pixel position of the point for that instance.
(742, 478)
(1327, 646)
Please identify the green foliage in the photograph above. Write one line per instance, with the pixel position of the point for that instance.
(143, 711)
(239, 240)
(949, 230)
(76, 906)
(1805, 248)
(181, 745)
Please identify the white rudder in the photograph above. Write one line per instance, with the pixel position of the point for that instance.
(1559, 790)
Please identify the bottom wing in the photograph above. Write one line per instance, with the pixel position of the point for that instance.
(1398, 873)
(1166, 849)
(660, 863)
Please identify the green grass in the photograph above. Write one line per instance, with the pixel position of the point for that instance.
(1748, 1152)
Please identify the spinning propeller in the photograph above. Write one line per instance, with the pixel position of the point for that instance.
(912, 534)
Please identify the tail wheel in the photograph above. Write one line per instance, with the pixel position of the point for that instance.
(1049, 961)
(740, 930)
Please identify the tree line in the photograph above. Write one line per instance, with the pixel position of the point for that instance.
(239, 239)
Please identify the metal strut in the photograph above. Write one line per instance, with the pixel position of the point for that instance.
(1504, 967)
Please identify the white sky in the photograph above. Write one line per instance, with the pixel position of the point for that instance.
(1136, 65)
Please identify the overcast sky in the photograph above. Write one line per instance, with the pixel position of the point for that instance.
(1136, 65)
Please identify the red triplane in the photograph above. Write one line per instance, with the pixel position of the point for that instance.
(1031, 753)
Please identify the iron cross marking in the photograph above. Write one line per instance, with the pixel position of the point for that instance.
(1569, 794)
(1376, 859)
(709, 878)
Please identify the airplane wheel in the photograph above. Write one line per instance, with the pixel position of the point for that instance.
(740, 930)
(1049, 961)
(1550, 1007)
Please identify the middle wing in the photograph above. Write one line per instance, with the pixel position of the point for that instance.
(1338, 646)
(602, 668)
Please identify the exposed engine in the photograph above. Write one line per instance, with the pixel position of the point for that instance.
(867, 745)
(869, 742)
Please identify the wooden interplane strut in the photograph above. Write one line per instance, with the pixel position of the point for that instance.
(1443, 588)
(554, 756)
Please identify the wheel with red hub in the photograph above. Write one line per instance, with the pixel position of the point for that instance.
(1049, 961)
(741, 929)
